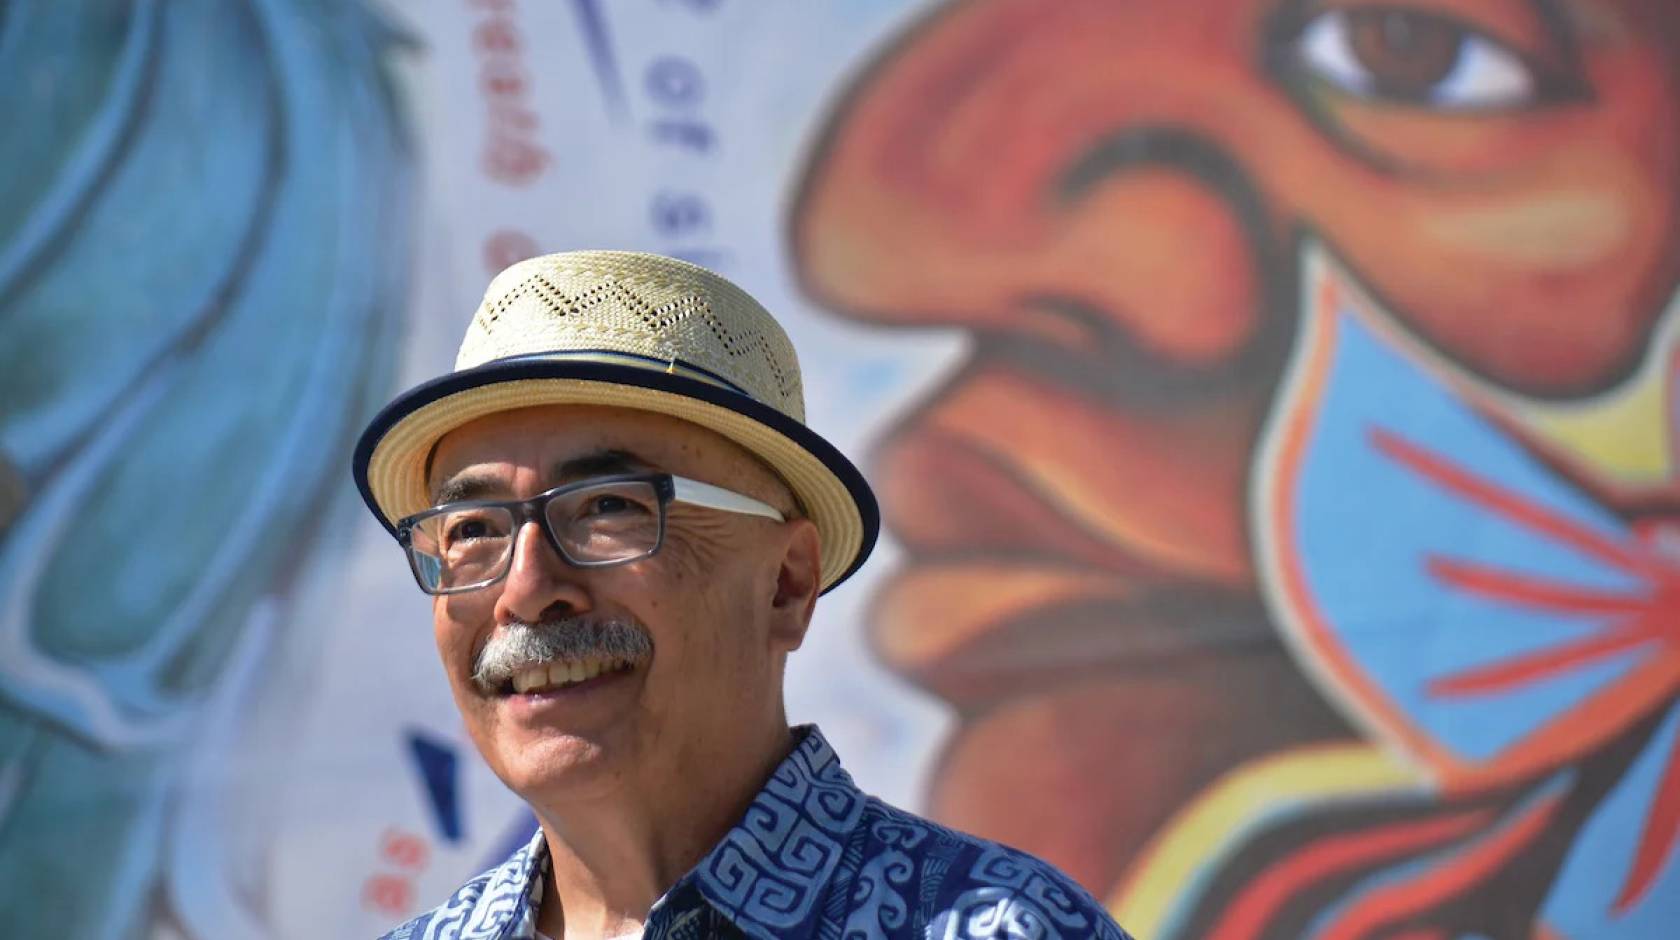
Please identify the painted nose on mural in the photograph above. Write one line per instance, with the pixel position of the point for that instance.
(1147, 240)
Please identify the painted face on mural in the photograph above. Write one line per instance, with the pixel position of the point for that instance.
(1118, 201)
(713, 647)
(1135, 174)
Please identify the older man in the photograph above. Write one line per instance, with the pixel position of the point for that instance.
(625, 525)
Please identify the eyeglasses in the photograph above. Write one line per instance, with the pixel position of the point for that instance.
(595, 523)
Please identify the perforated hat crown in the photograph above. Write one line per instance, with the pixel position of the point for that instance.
(631, 330)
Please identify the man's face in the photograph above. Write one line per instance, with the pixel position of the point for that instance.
(707, 601)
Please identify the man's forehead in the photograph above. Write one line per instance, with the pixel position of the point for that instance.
(543, 437)
(566, 442)
(478, 480)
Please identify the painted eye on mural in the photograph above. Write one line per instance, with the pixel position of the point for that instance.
(1410, 57)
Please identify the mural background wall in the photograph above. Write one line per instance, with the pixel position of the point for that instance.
(1272, 404)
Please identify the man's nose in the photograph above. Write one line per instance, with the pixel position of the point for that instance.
(539, 583)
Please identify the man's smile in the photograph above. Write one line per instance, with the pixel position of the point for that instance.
(525, 658)
(556, 676)
(572, 694)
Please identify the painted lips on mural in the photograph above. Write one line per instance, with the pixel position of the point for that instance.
(1320, 417)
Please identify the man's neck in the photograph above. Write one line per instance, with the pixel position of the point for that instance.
(612, 858)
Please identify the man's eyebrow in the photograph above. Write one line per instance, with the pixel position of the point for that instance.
(466, 486)
(469, 485)
(600, 463)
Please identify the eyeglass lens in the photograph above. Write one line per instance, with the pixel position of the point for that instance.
(458, 548)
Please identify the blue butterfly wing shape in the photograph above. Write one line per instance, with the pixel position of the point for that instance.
(1473, 609)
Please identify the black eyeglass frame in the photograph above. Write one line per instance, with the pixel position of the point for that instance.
(535, 510)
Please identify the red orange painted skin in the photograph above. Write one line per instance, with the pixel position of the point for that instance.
(1108, 197)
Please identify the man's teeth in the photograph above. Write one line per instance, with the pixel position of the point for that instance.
(561, 674)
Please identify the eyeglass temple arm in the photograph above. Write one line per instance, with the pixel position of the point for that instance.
(716, 497)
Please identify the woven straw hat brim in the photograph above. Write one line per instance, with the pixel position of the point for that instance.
(390, 459)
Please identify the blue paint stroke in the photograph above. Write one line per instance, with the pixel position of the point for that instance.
(439, 770)
(601, 58)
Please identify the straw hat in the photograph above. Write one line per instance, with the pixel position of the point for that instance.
(632, 330)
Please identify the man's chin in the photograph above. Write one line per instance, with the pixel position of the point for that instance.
(558, 741)
(556, 766)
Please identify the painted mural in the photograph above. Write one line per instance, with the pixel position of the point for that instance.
(192, 326)
(1273, 404)
(1301, 525)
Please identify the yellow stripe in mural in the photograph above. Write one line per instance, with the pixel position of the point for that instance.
(1625, 437)
(1196, 837)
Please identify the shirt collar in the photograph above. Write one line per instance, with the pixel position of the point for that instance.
(768, 873)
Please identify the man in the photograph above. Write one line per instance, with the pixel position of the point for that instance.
(625, 525)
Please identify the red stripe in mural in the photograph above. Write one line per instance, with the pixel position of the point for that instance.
(1260, 902)
(1396, 903)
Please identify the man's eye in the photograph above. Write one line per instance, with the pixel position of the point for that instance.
(1410, 57)
(470, 527)
(611, 504)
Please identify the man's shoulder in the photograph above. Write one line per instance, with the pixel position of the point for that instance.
(911, 869)
(480, 908)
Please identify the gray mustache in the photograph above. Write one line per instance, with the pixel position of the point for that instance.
(520, 646)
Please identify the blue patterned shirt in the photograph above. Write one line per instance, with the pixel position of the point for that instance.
(815, 857)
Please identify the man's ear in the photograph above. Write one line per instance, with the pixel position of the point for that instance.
(798, 581)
